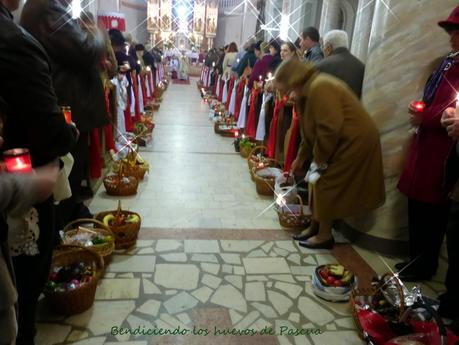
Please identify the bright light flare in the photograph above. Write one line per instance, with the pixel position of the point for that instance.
(76, 9)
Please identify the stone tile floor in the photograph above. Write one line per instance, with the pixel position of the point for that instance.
(210, 254)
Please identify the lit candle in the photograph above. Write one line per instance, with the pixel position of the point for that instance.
(236, 134)
(259, 77)
(127, 49)
(457, 106)
(237, 60)
(18, 161)
(138, 62)
(270, 77)
(66, 110)
(418, 106)
(213, 64)
(243, 136)
(148, 69)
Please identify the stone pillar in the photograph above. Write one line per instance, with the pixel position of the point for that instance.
(362, 29)
(329, 17)
(405, 45)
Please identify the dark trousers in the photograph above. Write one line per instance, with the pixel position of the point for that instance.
(452, 243)
(427, 227)
(32, 273)
(70, 209)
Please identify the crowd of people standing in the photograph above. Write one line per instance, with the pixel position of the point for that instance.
(48, 62)
(307, 111)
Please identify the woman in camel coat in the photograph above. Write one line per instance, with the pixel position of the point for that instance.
(341, 138)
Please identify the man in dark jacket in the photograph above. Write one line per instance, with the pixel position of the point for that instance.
(32, 119)
(339, 61)
(309, 42)
(75, 55)
(248, 60)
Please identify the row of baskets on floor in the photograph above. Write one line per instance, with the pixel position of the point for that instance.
(117, 232)
(266, 173)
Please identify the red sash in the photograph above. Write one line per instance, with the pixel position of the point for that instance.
(251, 126)
(239, 96)
(230, 92)
(292, 149)
(95, 156)
(271, 145)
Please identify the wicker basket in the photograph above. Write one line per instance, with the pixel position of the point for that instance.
(369, 295)
(126, 234)
(264, 185)
(290, 219)
(106, 249)
(252, 159)
(121, 185)
(81, 299)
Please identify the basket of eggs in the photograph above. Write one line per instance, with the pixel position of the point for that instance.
(125, 226)
(72, 281)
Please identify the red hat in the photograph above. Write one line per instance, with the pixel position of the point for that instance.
(452, 22)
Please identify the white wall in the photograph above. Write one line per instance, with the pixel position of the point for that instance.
(235, 24)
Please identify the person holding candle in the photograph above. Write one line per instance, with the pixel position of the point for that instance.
(340, 143)
(75, 55)
(422, 179)
(261, 68)
(18, 192)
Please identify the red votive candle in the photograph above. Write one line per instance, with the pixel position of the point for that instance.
(236, 134)
(66, 110)
(418, 106)
(17, 161)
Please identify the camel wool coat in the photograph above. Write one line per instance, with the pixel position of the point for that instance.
(336, 130)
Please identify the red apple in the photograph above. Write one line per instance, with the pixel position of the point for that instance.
(338, 282)
(330, 280)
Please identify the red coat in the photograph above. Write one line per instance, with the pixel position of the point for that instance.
(423, 176)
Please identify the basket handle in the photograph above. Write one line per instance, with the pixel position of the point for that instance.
(400, 292)
(256, 149)
(301, 206)
(70, 225)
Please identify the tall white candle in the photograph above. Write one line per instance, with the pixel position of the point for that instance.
(457, 106)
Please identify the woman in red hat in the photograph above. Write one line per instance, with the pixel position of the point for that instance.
(422, 179)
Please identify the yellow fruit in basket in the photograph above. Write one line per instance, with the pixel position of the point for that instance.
(108, 218)
(132, 218)
(347, 277)
(336, 270)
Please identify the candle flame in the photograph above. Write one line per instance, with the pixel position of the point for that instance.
(148, 69)
(236, 134)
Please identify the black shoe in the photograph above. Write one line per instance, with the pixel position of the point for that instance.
(328, 244)
(301, 237)
(412, 276)
(313, 230)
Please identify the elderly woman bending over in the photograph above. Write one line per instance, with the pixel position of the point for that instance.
(340, 143)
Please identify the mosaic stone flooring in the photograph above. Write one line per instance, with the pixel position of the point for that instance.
(210, 254)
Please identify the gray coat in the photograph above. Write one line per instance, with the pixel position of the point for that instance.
(314, 54)
(345, 66)
(16, 196)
